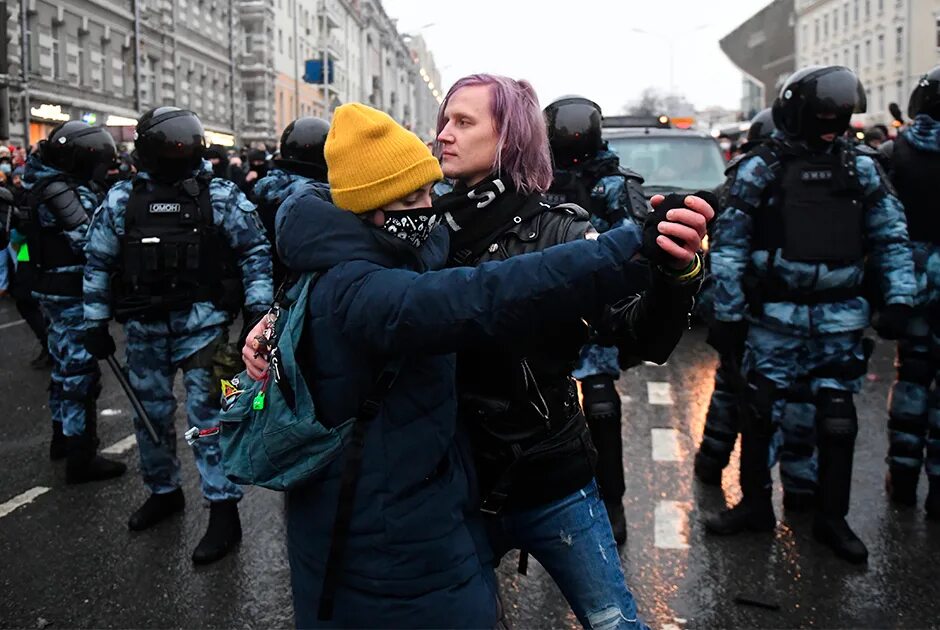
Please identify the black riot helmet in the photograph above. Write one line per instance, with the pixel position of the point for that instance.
(169, 143)
(814, 91)
(302, 147)
(925, 99)
(574, 130)
(762, 126)
(77, 148)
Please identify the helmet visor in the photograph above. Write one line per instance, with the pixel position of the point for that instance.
(837, 92)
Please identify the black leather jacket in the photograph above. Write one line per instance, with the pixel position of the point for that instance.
(519, 401)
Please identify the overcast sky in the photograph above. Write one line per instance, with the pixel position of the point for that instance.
(585, 47)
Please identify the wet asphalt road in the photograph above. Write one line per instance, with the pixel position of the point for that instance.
(68, 560)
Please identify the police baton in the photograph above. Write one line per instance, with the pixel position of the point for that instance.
(132, 396)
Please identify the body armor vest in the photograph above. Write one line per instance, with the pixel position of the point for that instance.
(50, 249)
(818, 215)
(574, 187)
(173, 255)
(917, 179)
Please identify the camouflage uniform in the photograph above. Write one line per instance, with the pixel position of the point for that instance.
(184, 339)
(913, 406)
(76, 378)
(818, 343)
(794, 445)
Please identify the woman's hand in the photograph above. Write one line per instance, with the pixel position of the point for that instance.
(256, 362)
(688, 225)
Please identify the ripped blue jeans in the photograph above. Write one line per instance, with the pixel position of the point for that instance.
(572, 539)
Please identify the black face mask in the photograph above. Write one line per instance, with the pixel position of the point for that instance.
(412, 226)
(260, 169)
(814, 128)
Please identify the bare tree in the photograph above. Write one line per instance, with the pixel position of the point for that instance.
(652, 102)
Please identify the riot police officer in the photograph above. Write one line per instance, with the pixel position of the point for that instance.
(792, 267)
(59, 180)
(181, 244)
(301, 163)
(588, 174)
(913, 409)
(798, 426)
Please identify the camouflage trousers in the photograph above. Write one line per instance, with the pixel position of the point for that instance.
(154, 354)
(799, 368)
(794, 445)
(76, 377)
(596, 360)
(914, 400)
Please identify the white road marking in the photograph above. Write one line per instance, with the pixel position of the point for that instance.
(670, 626)
(121, 446)
(651, 364)
(666, 445)
(111, 412)
(626, 399)
(12, 324)
(659, 393)
(23, 499)
(669, 532)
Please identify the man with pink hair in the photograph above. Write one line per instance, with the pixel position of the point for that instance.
(517, 401)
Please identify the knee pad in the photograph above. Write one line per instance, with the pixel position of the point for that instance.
(601, 400)
(800, 392)
(916, 368)
(837, 417)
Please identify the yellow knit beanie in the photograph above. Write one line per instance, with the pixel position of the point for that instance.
(373, 161)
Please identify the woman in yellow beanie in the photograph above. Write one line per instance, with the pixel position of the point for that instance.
(415, 552)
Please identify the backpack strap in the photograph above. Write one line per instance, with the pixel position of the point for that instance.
(368, 410)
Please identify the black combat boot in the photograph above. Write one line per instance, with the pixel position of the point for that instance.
(838, 426)
(618, 522)
(755, 511)
(755, 514)
(901, 484)
(932, 505)
(42, 361)
(156, 508)
(223, 533)
(84, 464)
(58, 447)
(794, 501)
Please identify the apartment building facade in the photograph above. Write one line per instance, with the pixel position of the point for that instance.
(889, 44)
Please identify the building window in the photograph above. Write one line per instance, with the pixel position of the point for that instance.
(826, 26)
(856, 59)
(835, 21)
(280, 41)
(845, 15)
(937, 22)
(881, 6)
(867, 52)
(816, 30)
(900, 87)
(899, 40)
(867, 9)
(290, 46)
(855, 12)
(81, 64)
(881, 48)
(804, 41)
(56, 55)
(881, 97)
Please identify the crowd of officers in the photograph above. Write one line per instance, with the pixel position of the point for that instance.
(814, 234)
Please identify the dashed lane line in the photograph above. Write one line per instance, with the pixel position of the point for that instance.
(111, 412)
(659, 393)
(12, 324)
(669, 526)
(22, 499)
(666, 446)
(121, 446)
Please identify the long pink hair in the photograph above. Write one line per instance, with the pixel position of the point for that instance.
(522, 153)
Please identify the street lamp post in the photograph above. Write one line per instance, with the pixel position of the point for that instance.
(670, 40)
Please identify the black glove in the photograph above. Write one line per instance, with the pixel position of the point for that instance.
(99, 342)
(892, 320)
(650, 249)
(727, 337)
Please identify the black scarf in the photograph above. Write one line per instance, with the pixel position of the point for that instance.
(476, 216)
